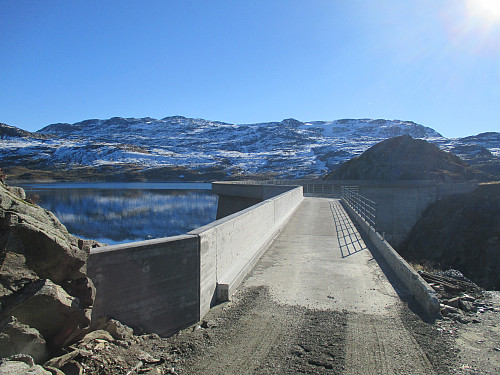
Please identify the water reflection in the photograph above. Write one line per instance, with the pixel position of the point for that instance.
(125, 214)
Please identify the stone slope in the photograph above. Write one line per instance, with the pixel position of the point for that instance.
(7, 131)
(405, 158)
(461, 232)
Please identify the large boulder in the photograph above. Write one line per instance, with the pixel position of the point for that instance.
(21, 365)
(34, 245)
(48, 308)
(43, 282)
(18, 338)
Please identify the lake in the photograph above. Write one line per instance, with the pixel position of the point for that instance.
(124, 212)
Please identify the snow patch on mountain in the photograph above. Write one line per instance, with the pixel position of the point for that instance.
(288, 149)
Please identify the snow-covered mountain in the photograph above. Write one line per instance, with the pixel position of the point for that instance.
(286, 149)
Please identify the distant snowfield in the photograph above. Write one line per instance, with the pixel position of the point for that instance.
(289, 149)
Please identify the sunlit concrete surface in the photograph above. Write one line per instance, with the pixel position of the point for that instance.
(320, 260)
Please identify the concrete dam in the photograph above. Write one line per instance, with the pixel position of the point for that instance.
(166, 284)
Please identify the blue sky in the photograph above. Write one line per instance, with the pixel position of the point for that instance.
(435, 62)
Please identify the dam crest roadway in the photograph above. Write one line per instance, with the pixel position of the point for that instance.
(313, 287)
(321, 262)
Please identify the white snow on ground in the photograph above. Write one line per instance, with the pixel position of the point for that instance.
(290, 148)
(495, 151)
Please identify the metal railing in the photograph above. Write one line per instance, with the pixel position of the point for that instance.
(364, 207)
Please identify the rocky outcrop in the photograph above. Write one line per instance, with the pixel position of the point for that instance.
(461, 232)
(7, 131)
(405, 158)
(44, 291)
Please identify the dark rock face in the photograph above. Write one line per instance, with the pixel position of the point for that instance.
(7, 131)
(43, 282)
(461, 232)
(405, 158)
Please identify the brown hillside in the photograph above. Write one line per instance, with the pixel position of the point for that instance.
(405, 158)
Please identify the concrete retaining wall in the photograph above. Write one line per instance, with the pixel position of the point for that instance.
(163, 285)
(400, 205)
(152, 285)
(421, 291)
(228, 205)
(237, 196)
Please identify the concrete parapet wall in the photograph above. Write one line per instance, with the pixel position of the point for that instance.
(445, 190)
(419, 288)
(239, 240)
(399, 203)
(152, 285)
(165, 284)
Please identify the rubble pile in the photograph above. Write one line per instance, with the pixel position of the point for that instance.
(113, 349)
(461, 299)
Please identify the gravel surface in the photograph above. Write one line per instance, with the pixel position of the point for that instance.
(254, 335)
(477, 343)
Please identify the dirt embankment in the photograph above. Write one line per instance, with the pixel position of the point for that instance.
(461, 232)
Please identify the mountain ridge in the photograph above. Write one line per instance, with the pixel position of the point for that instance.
(284, 149)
